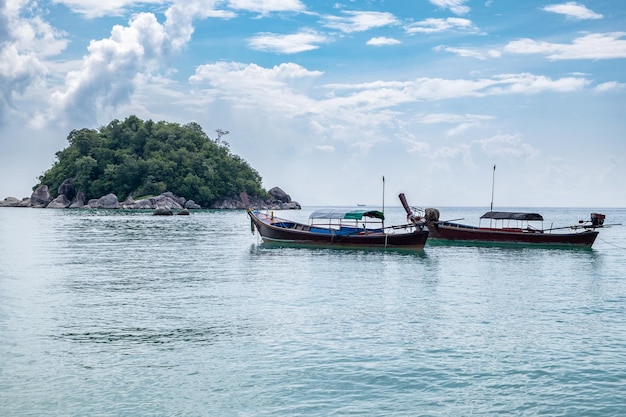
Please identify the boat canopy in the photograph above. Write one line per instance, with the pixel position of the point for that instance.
(347, 214)
(507, 215)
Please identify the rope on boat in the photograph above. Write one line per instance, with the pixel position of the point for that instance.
(611, 244)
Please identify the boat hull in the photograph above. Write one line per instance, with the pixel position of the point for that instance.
(453, 232)
(292, 233)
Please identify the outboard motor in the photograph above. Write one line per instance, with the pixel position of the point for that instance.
(431, 215)
(597, 219)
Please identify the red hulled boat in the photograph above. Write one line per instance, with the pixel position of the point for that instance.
(514, 228)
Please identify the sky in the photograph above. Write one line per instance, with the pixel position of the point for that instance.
(326, 98)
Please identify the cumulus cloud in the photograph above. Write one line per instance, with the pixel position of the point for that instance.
(180, 16)
(609, 87)
(109, 73)
(354, 21)
(573, 11)
(305, 40)
(433, 25)
(370, 108)
(25, 40)
(250, 85)
(455, 6)
(592, 46)
(383, 41)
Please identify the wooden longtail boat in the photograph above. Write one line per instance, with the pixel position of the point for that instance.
(514, 228)
(340, 228)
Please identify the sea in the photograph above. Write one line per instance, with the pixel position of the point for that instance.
(122, 313)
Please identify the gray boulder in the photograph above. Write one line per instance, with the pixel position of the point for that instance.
(79, 202)
(292, 205)
(162, 211)
(40, 197)
(167, 200)
(191, 205)
(60, 202)
(280, 195)
(228, 204)
(67, 188)
(108, 201)
(9, 202)
(128, 202)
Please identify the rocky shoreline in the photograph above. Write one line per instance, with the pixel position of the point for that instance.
(166, 202)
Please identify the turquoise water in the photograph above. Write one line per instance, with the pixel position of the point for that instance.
(127, 314)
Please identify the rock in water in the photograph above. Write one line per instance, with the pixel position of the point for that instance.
(40, 197)
(162, 211)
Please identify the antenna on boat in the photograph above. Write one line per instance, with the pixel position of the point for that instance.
(493, 181)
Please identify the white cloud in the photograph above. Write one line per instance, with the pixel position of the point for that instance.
(592, 46)
(573, 10)
(507, 145)
(268, 6)
(113, 67)
(609, 87)
(470, 52)
(252, 86)
(455, 6)
(462, 122)
(305, 40)
(383, 41)
(26, 40)
(222, 73)
(180, 16)
(452, 118)
(371, 109)
(359, 21)
(393, 93)
(433, 25)
(108, 73)
(98, 8)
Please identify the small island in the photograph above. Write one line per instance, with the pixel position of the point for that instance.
(150, 165)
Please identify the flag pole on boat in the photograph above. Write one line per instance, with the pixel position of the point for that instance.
(493, 181)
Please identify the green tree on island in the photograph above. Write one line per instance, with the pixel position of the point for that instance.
(136, 158)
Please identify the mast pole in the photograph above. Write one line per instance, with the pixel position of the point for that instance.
(493, 181)
(383, 200)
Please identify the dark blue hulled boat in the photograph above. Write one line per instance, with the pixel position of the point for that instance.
(340, 228)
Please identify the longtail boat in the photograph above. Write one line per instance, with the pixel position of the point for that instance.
(514, 228)
(360, 228)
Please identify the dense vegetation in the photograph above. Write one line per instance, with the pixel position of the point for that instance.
(142, 158)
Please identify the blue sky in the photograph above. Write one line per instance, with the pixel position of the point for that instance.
(324, 98)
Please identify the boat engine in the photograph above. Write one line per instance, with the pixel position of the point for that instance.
(597, 219)
(431, 215)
